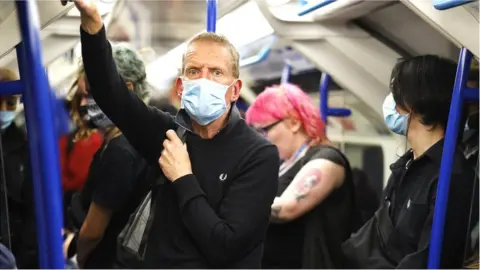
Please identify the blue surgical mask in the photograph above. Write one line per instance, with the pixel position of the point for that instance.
(6, 118)
(396, 122)
(204, 100)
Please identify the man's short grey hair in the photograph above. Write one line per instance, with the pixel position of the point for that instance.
(222, 40)
(131, 68)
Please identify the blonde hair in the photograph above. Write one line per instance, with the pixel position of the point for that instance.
(222, 40)
(7, 75)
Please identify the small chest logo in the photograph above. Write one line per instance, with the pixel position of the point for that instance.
(223, 177)
(408, 203)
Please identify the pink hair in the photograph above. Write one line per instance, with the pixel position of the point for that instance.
(283, 101)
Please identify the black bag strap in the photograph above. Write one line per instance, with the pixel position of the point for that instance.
(182, 133)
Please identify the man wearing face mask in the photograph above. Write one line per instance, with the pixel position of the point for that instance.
(214, 206)
(16, 165)
(398, 236)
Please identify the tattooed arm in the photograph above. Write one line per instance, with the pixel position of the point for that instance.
(312, 184)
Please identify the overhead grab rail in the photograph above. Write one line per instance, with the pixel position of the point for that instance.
(260, 57)
(286, 73)
(309, 7)
(325, 111)
(42, 136)
(461, 93)
(447, 4)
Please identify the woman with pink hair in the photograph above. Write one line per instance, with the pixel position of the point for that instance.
(312, 213)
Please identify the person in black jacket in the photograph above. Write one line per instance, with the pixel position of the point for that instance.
(16, 165)
(398, 235)
(214, 208)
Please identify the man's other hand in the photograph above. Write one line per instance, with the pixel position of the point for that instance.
(174, 160)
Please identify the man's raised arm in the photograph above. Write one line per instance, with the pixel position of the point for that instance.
(143, 126)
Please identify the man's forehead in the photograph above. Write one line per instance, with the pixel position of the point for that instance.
(208, 50)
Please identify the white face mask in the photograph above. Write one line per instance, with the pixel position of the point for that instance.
(204, 100)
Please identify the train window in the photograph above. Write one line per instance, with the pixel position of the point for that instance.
(368, 158)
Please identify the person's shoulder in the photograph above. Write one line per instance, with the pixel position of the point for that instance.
(118, 147)
(329, 153)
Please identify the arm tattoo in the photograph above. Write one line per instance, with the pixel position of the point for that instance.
(306, 184)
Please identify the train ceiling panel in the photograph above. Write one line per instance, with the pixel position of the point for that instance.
(170, 22)
(460, 24)
(6, 8)
(49, 13)
(407, 31)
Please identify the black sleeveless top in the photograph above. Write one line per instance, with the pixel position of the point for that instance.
(313, 240)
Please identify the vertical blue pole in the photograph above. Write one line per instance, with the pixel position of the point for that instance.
(449, 147)
(287, 70)
(34, 162)
(211, 15)
(324, 81)
(38, 97)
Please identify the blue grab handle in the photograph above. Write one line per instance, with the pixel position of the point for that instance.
(211, 15)
(307, 8)
(325, 111)
(447, 4)
(11, 88)
(287, 71)
(339, 112)
(260, 57)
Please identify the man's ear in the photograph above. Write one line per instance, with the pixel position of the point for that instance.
(179, 86)
(236, 87)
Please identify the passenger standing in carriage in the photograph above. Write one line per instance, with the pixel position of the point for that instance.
(312, 214)
(18, 180)
(118, 177)
(79, 146)
(398, 236)
(213, 209)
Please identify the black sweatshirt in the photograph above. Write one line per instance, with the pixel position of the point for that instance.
(197, 224)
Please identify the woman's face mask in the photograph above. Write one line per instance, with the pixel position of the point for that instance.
(96, 116)
(396, 122)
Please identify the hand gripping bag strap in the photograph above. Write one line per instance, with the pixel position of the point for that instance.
(132, 241)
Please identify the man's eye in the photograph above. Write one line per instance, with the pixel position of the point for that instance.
(192, 71)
